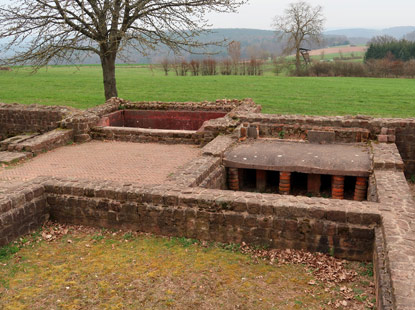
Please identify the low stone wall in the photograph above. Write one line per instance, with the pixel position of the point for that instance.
(221, 105)
(128, 134)
(22, 211)
(18, 118)
(399, 130)
(223, 216)
(384, 294)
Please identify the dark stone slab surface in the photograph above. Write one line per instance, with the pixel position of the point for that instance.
(333, 159)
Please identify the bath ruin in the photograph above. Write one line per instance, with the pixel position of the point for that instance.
(328, 184)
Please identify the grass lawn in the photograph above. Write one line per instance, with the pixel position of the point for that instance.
(85, 268)
(83, 88)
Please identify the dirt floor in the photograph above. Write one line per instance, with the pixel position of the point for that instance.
(73, 267)
(142, 163)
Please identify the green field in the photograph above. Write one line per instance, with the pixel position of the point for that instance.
(83, 88)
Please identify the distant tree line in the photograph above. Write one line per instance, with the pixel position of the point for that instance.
(384, 47)
(212, 66)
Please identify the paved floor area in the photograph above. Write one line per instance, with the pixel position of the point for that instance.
(147, 163)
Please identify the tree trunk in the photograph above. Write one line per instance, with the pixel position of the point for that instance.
(108, 71)
(297, 60)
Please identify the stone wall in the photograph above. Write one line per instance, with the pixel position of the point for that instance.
(22, 210)
(18, 118)
(223, 216)
(401, 131)
(140, 135)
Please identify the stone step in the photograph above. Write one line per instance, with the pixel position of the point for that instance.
(9, 158)
(4, 145)
(38, 143)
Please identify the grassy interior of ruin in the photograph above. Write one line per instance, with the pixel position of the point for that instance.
(72, 267)
(82, 87)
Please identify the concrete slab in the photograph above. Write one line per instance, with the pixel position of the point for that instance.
(332, 159)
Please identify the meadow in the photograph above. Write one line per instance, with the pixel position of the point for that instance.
(82, 87)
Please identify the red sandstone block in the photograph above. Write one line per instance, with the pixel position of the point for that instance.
(382, 138)
(391, 138)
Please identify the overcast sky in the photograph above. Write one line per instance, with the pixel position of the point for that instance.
(339, 14)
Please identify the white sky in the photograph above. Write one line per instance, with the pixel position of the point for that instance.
(375, 14)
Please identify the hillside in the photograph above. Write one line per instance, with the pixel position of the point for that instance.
(397, 32)
(254, 42)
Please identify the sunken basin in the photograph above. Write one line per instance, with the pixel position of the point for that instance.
(158, 119)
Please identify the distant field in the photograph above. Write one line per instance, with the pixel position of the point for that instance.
(83, 88)
(339, 49)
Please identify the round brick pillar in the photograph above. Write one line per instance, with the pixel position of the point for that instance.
(233, 179)
(337, 187)
(360, 191)
(285, 183)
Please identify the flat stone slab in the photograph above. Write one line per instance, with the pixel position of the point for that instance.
(332, 159)
(218, 146)
(15, 140)
(12, 157)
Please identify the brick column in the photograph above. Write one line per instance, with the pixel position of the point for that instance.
(360, 191)
(285, 183)
(233, 179)
(337, 187)
(261, 180)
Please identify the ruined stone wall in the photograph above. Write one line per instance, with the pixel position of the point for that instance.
(222, 105)
(223, 216)
(399, 130)
(18, 118)
(22, 211)
(140, 135)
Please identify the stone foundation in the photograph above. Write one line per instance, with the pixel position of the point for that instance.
(198, 204)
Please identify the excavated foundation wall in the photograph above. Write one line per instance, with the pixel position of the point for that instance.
(19, 118)
(223, 216)
(16, 119)
(197, 206)
(22, 211)
(346, 129)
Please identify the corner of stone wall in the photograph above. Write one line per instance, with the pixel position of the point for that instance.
(22, 211)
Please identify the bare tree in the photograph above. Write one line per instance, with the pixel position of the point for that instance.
(165, 64)
(300, 23)
(234, 51)
(54, 30)
(385, 39)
